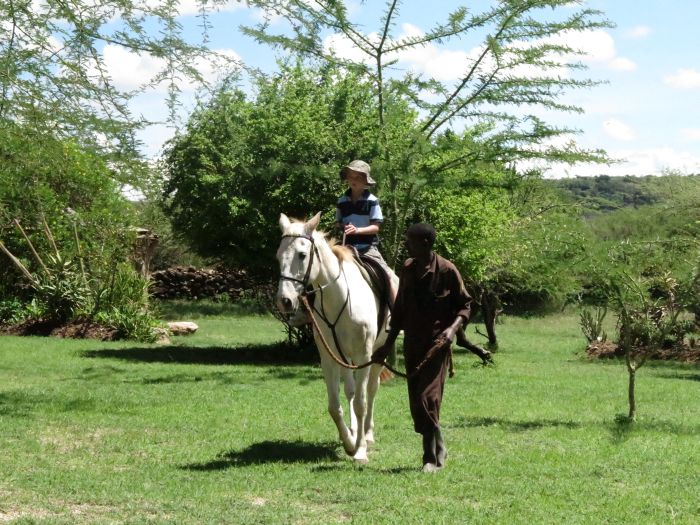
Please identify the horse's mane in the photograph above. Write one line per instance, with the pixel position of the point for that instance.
(342, 253)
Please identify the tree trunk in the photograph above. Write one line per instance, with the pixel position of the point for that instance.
(489, 309)
(630, 391)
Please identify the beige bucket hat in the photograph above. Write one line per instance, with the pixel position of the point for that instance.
(360, 166)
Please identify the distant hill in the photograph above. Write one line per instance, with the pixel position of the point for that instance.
(606, 193)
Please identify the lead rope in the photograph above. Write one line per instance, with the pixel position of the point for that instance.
(439, 344)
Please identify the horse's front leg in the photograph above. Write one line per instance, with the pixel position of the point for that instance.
(360, 405)
(349, 386)
(372, 387)
(331, 374)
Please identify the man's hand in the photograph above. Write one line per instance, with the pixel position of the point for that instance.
(381, 353)
(448, 335)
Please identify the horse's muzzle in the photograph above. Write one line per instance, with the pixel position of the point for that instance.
(285, 305)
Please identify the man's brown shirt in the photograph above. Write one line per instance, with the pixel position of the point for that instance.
(427, 304)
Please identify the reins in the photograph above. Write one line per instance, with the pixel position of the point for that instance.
(439, 344)
(306, 292)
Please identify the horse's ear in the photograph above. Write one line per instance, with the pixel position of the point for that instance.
(312, 224)
(284, 222)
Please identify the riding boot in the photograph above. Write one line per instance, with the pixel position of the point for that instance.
(440, 449)
(429, 457)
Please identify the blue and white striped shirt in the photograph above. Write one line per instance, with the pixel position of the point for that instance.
(363, 212)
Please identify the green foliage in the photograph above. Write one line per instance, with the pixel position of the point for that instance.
(592, 324)
(650, 304)
(54, 80)
(87, 287)
(242, 162)
(514, 37)
(11, 310)
(62, 290)
(650, 312)
(471, 228)
(171, 249)
(72, 189)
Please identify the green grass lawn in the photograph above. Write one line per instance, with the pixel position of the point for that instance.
(222, 427)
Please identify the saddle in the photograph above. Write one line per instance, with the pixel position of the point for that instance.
(379, 280)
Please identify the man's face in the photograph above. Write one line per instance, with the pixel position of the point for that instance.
(416, 246)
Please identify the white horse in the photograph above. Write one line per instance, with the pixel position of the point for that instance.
(344, 303)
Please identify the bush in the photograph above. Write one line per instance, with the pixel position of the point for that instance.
(592, 324)
(11, 310)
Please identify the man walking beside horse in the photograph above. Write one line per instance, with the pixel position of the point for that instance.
(431, 306)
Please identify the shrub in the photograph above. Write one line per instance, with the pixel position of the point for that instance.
(592, 324)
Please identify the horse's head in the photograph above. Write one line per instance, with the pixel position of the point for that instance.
(298, 258)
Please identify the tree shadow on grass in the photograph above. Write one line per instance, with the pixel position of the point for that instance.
(623, 428)
(270, 452)
(18, 403)
(513, 426)
(272, 354)
(688, 377)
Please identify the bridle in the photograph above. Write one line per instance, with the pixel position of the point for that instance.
(305, 281)
(308, 290)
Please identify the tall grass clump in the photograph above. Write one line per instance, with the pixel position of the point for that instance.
(97, 285)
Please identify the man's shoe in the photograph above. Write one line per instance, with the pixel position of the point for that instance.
(430, 467)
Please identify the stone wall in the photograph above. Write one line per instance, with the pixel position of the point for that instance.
(188, 282)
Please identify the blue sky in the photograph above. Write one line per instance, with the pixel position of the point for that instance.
(647, 115)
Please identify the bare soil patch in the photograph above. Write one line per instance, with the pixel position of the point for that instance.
(609, 350)
(74, 329)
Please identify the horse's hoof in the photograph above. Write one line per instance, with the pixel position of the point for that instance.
(360, 460)
(361, 456)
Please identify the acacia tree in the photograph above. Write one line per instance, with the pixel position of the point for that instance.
(517, 38)
(54, 79)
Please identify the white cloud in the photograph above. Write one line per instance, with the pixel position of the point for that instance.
(638, 32)
(652, 161)
(130, 71)
(622, 64)
(192, 7)
(618, 130)
(684, 79)
(691, 134)
(344, 48)
(597, 47)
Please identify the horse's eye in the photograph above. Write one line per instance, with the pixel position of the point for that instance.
(302, 256)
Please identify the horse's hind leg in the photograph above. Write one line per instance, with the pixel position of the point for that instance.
(331, 374)
(372, 387)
